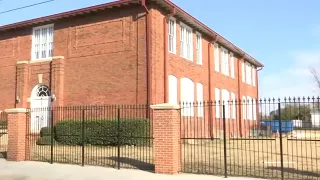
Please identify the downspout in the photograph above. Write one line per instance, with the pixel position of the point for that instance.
(257, 83)
(165, 68)
(210, 84)
(148, 57)
(239, 94)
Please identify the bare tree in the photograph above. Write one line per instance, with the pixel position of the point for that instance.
(316, 77)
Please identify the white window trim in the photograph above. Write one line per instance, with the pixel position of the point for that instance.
(244, 107)
(243, 71)
(217, 97)
(216, 57)
(234, 107)
(248, 73)
(226, 103)
(174, 36)
(173, 91)
(253, 75)
(200, 100)
(187, 101)
(191, 42)
(254, 107)
(249, 108)
(33, 41)
(224, 61)
(232, 68)
(199, 61)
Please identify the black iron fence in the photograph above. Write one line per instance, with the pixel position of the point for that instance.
(114, 136)
(267, 138)
(3, 134)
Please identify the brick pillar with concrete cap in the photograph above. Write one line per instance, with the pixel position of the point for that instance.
(166, 134)
(16, 134)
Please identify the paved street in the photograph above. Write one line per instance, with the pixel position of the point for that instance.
(45, 171)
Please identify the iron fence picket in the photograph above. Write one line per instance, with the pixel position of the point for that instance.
(3, 135)
(252, 147)
(91, 135)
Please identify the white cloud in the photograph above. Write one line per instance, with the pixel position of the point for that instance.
(293, 80)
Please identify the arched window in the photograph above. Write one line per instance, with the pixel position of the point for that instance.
(42, 91)
(173, 89)
(200, 100)
(187, 96)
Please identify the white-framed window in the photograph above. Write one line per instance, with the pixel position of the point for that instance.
(173, 89)
(244, 107)
(42, 42)
(224, 61)
(248, 73)
(254, 107)
(200, 100)
(233, 101)
(226, 102)
(199, 48)
(186, 49)
(216, 58)
(254, 75)
(172, 35)
(217, 102)
(232, 65)
(187, 96)
(249, 107)
(243, 72)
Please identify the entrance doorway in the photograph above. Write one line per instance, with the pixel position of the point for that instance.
(40, 103)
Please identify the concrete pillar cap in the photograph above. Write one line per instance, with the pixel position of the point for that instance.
(165, 106)
(15, 110)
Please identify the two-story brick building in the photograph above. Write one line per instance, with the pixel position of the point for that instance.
(123, 52)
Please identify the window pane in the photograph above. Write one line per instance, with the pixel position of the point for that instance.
(216, 58)
(217, 102)
(173, 89)
(244, 107)
(243, 74)
(232, 65)
(200, 99)
(43, 42)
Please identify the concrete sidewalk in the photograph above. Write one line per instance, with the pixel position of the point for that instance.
(45, 171)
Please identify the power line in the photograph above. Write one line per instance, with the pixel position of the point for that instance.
(23, 7)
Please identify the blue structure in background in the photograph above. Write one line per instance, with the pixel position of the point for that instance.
(287, 125)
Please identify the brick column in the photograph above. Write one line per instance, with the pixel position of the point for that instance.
(166, 133)
(16, 134)
(58, 79)
(22, 83)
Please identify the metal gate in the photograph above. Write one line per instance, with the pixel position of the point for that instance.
(111, 136)
(3, 135)
(267, 143)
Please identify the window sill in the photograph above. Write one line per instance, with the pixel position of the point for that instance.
(191, 60)
(40, 60)
(173, 52)
(199, 64)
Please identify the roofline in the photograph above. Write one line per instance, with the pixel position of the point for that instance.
(67, 14)
(216, 35)
(119, 3)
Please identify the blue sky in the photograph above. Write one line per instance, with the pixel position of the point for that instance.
(284, 35)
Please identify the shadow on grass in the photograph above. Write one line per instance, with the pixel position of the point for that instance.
(295, 171)
(129, 163)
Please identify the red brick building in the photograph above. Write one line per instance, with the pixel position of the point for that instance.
(123, 52)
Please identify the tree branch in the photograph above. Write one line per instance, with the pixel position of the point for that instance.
(316, 77)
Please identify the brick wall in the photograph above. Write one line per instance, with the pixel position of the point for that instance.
(180, 67)
(104, 60)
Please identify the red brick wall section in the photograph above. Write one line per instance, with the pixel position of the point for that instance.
(181, 67)
(167, 148)
(104, 60)
(16, 136)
